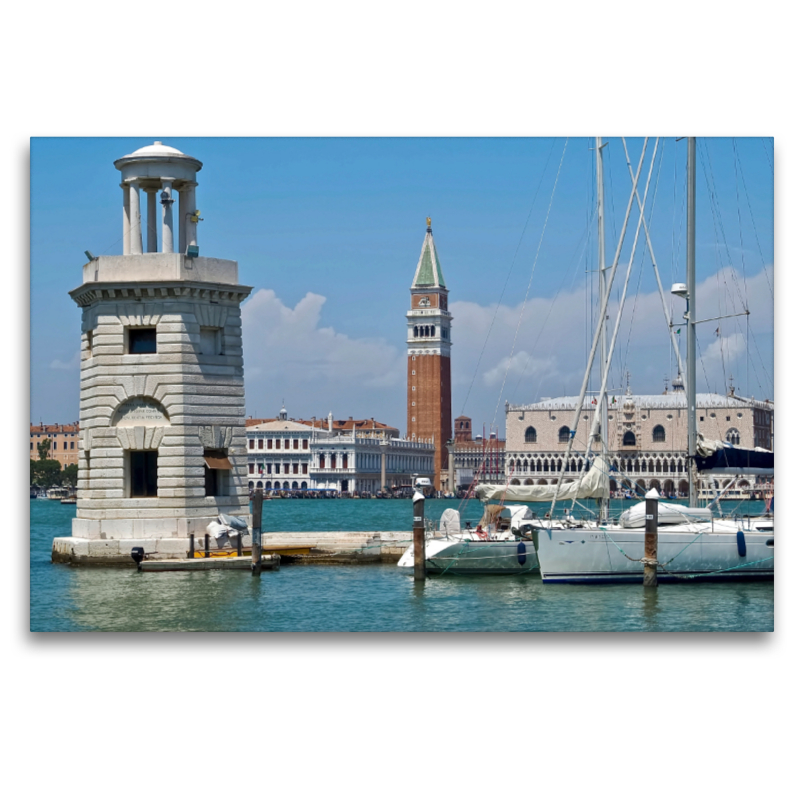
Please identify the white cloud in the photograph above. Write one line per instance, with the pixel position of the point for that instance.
(73, 364)
(288, 354)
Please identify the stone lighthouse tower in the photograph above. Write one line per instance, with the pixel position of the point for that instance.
(162, 449)
(428, 340)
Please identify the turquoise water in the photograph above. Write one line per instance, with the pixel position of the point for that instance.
(365, 597)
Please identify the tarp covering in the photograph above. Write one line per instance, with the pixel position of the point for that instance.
(668, 514)
(593, 483)
(717, 457)
(450, 523)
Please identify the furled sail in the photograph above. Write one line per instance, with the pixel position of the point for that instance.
(715, 457)
(593, 483)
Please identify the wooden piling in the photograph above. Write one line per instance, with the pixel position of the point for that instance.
(191, 545)
(238, 543)
(258, 503)
(419, 537)
(651, 541)
(207, 552)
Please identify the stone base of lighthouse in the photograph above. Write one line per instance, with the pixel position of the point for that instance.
(100, 551)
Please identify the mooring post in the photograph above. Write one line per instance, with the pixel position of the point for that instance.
(207, 553)
(419, 536)
(191, 545)
(651, 538)
(258, 502)
(238, 543)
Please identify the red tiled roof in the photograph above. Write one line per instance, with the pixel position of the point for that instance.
(73, 428)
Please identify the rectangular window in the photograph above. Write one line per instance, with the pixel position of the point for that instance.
(305, 444)
(295, 468)
(285, 469)
(72, 445)
(333, 461)
(344, 462)
(285, 444)
(269, 469)
(322, 462)
(252, 468)
(89, 342)
(143, 467)
(210, 342)
(217, 473)
(260, 444)
(141, 341)
(305, 469)
(55, 445)
(269, 444)
(296, 443)
(251, 444)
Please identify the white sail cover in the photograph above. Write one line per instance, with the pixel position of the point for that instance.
(593, 483)
(450, 523)
(668, 514)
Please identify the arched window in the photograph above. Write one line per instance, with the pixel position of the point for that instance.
(563, 434)
(416, 331)
(530, 434)
(732, 436)
(659, 434)
(629, 439)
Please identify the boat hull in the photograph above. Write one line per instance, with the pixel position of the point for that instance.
(470, 557)
(586, 555)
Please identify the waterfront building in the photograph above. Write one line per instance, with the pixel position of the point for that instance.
(162, 445)
(333, 455)
(428, 341)
(647, 436)
(64, 442)
(476, 460)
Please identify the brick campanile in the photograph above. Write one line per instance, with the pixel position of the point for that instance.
(428, 339)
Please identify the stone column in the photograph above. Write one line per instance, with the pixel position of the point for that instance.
(183, 218)
(152, 230)
(383, 466)
(126, 219)
(451, 466)
(136, 221)
(167, 245)
(190, 227)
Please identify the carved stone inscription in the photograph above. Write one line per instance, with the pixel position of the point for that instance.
(140, 411)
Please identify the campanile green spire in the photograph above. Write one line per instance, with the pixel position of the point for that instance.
(429, 269)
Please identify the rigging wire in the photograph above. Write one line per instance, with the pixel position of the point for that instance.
(530, 280)
(508, 275)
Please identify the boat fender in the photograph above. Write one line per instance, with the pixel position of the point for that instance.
(741, 546)
(521, 553)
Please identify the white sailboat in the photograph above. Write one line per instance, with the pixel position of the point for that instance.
(692, 544)
(501, 544)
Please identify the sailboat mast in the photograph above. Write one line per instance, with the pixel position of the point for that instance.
(691, 340)
(601, 264)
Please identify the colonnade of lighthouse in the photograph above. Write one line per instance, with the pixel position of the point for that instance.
(161, 173)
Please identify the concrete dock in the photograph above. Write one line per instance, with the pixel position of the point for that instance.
(327, 547)
(269, 562)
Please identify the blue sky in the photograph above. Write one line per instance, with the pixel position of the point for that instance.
(328, 231)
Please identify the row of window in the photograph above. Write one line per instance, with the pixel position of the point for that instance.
(578, 465)
(54, 445)
(628, 440)
(251, 444)
(288, 469)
